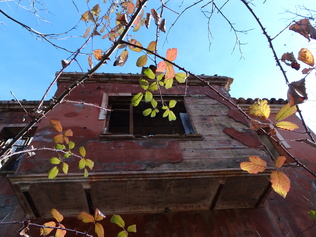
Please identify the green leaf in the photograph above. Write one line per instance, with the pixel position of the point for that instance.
(89, 163)
(54, 160)
(67, 155)
(149, 73)
(117, 219)
(65, 168)
(60, 147)
(82, 151)
(153, 86)
(123, 233)
(137, 99)
(143, 84)
(82, 163)
(147, 112)
(154, 103)
(312, 213)
(172, 103)
(71, 145)
(154, 112)
(141, 61)
(131, 228)
(166, 113)
(168, 83)
(285, 112)
(181, 77)
(160, 77)
(171, 116)
(53, 172)
(148, 96)
(85, 173)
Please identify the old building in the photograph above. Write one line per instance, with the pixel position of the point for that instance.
(178, 178)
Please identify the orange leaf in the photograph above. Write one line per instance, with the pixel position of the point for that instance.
(255, 165)
(58, 217)
(85, 217)
(46, 231)
(286, 125)
(172, 54)
(60, 232)
(59, 138)
(304, 28)
(170, 73)
(129, 7)
(97, 54)
(99, 230)
(98, 215)
(68, 133)
(280, 183)
(306, 57)
(280, 161)
(161, 66)
(56, 125)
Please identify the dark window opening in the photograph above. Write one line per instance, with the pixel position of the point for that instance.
(6, 136)
(124, 118)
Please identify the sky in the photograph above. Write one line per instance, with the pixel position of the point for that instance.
(28, 64)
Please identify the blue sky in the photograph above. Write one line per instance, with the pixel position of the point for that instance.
(29, 64)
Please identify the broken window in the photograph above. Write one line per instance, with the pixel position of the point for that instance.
(6, 136)
(124, 118)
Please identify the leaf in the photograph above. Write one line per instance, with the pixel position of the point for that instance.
(65, 168)
(117, 219)
(304, 28)
(260, 109)
(280, 161)
(162, 25)
(154, 113)
(60, 232)
(296, 93)
(82, 163)
(170, 73)
(134, 48)
(152, 46)
(285, 112)
(82, 151)
(171, 116)
(71, 145)
(85, 173)
(286, 125)
(122, 19)
(46, 231)
(172, 103)
(97, 54)
(60, 147)
(95, 10)
(147, 20)
(161, 67)
(154, 103)
(312, 213)
(181, 77)
(121, 60)
(153, 86)
(123, 233)
(85, 217)
(99, 230)
(89, 163)
(148, 96)
(156, 16)
(280, 183)
(86, 33)
(131, 228)
(290, 60)
(166, 113)
(147, 112)
(141, 61)
(255, 165)
(56, 125)
(168, 83)
(90, 62)
(87, 16)
(307, 70)
(54, 161)
(143, 84)
(149, 73)
(137, 99)
(69, 133)
(58, 217)
(53, 172)
(98, 215)
(171, 54)
(306, 56)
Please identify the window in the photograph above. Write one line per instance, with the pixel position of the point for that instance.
(6, 136)
(124, 118)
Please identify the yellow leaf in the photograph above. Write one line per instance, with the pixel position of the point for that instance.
(117, 219)
(285, 112)
(99, 230)
(255, 165)
(54, 160)
(58, 217)
(65, 168)
(85, 217)
(87, 16)
(46, 231)
(98, 215)
(56, 125)
(89, 163)
(280, 161)
(82, 163)
(60, 232)
(131, 228)
(95, 10)
(260, 109)
(171, 54)
(134, 48)
(152, 46)
(82, 151)
(53, 172)
(85, 173)
(287, 125)
(97, 54)
(141, 61)
(280, 183)
(306, 56)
